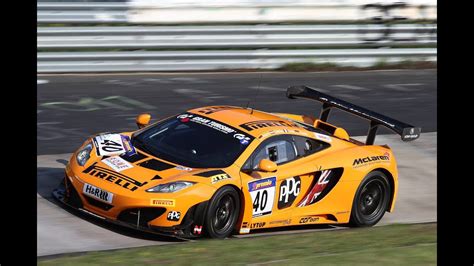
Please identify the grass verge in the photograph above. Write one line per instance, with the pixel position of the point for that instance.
(384, 245)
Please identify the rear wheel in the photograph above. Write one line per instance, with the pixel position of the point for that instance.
(371, 200)
(223, 212)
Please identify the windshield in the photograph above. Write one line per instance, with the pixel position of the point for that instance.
(193, 141)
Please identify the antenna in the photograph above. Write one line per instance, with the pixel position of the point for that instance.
(258, 91)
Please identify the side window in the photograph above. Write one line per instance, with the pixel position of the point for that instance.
(284, 148)
(279, 149)
(307, 146)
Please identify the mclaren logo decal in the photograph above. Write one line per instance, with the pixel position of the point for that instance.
(266, 123)
(113, 177)
(370, 159)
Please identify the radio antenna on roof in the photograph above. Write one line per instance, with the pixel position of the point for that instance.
(256, 94)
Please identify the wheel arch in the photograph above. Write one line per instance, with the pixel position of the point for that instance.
(242, 205)
(391, 182)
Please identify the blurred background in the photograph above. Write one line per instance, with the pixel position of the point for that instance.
(175, 35)
(101, 63)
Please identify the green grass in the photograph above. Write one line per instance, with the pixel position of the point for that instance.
(384, 245)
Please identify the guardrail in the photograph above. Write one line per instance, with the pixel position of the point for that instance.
(234, 37)
(216, 60)
(171, 48)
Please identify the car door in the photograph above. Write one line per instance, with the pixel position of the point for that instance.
(274, 194)
(263, 187)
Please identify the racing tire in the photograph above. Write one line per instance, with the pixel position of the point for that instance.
(371, 200)
(222, 213)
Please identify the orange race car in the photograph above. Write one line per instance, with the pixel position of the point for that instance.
(220, 170)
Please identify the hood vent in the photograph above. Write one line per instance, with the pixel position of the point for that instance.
(156, 165)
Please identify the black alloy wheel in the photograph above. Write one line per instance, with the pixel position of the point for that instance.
(371, 200)
(223, 213)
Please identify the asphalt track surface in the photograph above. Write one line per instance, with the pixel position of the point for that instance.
(72, 107)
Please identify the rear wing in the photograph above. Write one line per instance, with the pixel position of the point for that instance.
(406, 131)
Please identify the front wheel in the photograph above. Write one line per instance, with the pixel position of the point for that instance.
(371, 200)
(223, 213)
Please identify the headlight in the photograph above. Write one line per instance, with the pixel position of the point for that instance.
(84, 154)
(170, 187)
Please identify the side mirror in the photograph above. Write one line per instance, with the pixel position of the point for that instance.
(266, 165)
(143, 120)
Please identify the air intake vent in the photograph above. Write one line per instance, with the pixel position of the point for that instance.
(140, 216)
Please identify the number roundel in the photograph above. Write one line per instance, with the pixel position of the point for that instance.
(263, 194)
(260, 203)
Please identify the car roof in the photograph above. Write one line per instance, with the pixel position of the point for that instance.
(249, 120)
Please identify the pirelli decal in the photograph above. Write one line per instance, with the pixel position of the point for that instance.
(113, 177)
(266, 123)
(163, 202)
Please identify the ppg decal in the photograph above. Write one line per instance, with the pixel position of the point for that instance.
(289, 190)
(173, 216)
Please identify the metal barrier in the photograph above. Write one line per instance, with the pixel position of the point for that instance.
(77, 12)
(171, 48)
(216, 60)
(235, 37)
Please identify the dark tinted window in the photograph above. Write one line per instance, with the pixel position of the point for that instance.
(284, 148)
(307, 146)
(279, 149)
(193, 141)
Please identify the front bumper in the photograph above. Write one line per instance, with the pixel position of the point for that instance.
(136, 218)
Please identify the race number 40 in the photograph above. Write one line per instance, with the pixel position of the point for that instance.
(109, 144)
(263, 195)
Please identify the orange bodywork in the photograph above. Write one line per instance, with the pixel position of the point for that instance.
(333, 208)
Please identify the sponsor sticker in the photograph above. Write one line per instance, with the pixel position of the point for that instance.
(197, 229)
(306, 220)
(117, 163)
(244, 140)
(289, 190)
(173, 216)
(113, 177)
(323, 137)
(263, 195)
(127, 144)
(109, 144)
(184, 117)
(97, 193)
(212, 124)
(163, 202)
(219, 177)
(266, 123)
(257, 225)
(183, 168)
(244, 230)
(284, 222)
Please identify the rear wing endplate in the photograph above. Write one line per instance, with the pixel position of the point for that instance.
(406, 131)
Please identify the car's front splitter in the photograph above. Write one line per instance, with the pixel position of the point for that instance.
(68, 199)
